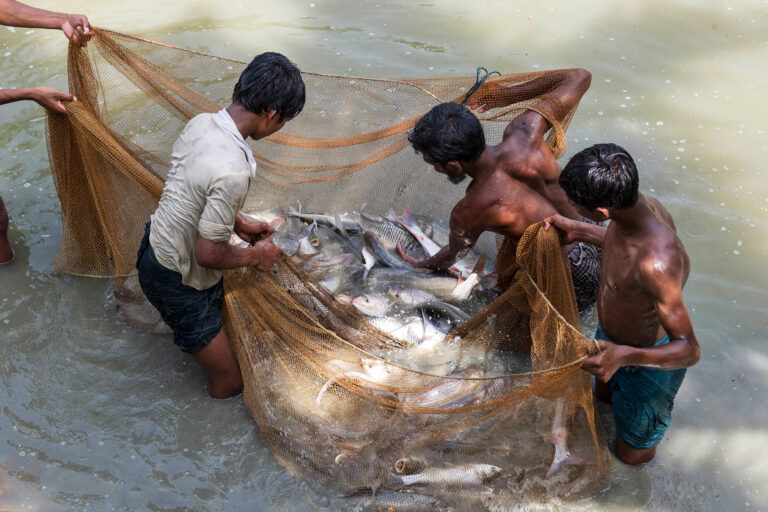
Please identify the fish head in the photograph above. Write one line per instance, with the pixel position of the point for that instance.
(343, 298)
(371, 305)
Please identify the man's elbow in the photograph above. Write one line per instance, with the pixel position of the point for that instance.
(694, 354)
(583, 77)
(204, 256)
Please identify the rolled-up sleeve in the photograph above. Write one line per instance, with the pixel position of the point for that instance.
(224, 198)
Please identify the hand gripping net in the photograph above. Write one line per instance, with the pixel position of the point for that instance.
(318, 383)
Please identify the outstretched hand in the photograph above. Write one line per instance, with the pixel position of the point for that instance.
(51, 98)
(77, 29)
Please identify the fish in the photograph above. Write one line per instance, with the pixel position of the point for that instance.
(382, 255)
(385, 278)
(465, 286)
(563, 456)
(333, 262)
(369, 260)
(372, 305)
(349, 224)
(412, 296)
(393, 501)
(453, 392)
(441, 309)
(452, 476)
(390, 234)
(308, 244)
(461, 267)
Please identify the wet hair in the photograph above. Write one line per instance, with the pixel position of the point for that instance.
(448, 132)
(269, 82)
(603, 175)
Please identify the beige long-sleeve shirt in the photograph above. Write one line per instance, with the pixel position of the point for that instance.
(206, 186)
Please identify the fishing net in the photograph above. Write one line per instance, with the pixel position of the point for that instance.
(331, 396)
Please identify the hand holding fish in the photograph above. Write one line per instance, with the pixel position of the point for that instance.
(605, 363)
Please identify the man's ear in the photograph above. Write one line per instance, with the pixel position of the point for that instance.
(454, 166)
(272, 114)
(605, 212)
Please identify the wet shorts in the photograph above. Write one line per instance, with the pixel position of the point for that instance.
(192, 314)
(585, 262)
(642, 400)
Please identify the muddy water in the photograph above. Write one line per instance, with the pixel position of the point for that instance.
(96, 416)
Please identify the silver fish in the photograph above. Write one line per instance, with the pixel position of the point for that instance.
(461, 475)
(460, 267)
(563, 456)
(349, 223)
(372, 305)
(388, 258)
(411, 296)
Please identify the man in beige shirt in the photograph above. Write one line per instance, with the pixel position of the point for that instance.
(186, 245)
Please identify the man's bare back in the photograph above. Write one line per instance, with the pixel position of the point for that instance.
(514, 184)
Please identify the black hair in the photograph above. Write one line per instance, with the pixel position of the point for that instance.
(603, 175)
(448, 132)
(271, 81)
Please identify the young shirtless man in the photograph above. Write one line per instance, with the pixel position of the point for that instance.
(186, 245)
(77, 29)
(645, 333)
(514, 184)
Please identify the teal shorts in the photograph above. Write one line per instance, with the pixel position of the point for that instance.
(642, 400)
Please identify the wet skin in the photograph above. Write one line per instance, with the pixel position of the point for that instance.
(515, 183)
(644, 269)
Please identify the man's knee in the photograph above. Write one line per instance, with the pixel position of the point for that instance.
(632, 456)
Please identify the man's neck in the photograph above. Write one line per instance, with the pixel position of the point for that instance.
(246, 121)
(633, 220)
(483, 165)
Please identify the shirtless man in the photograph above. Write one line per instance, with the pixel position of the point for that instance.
(186, 245)
(77, 29)
(645, 334)
(514, 184)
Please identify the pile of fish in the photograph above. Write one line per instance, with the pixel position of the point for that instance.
(355, 258)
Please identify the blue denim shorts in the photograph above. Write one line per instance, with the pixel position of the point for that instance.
(192, 314)
(642, 400)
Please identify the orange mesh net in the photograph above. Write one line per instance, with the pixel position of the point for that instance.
(333, 397)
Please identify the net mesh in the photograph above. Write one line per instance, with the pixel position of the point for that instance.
(323, 385)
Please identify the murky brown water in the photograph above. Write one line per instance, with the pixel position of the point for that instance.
(97, 416)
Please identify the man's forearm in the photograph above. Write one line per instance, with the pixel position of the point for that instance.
(442, 260)
(678, 353)
(11, 95)
(224, 256)
(591, 233)
(19, 15)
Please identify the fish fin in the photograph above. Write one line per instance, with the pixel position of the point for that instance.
(408, 216)
(569, 460)
(479, 266)
(339, 224)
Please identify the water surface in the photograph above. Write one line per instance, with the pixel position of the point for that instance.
(97, 416)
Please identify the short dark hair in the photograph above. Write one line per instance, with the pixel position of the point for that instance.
(603, 175)
(448, 132)
(271, 81)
